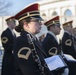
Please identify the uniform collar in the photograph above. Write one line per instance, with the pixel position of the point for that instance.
(67, 32)
(53, 35)
(11, 30)
(33, 36)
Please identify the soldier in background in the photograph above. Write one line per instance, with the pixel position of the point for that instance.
(68, 40)
(68, 46)
(50, 42)
(7, 39)
(28, 53)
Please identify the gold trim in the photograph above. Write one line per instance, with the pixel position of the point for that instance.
(29, 16)
(51, 53)
(4, 39)
(67, 25)
(68, 42)
(53, 22)
(26, 56)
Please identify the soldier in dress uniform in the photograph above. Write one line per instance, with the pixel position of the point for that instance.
(28, 53)
(50, 42)
(68, 46)
(68, 40)
(7, 39)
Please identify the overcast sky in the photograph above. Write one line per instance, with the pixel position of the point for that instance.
(11, 7)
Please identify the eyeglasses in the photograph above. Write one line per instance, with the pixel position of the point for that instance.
(36, 20)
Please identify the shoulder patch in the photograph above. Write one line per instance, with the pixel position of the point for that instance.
(53, 51)
(26, 55)
(4, 39)
(68, 42)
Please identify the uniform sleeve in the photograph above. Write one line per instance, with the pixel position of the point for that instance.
(66, 43)
(24, 59)
(49, 47)
(6, 42)
(68, 46)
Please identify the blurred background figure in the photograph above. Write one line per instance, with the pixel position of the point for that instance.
(7, 40)
(42, 33)
(68, 40)
(68, 46)
(41, 38)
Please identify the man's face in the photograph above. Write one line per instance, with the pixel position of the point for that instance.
(57, 29)
(12, 23)
(70, 29)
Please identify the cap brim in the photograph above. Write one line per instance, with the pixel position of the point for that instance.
(37, 17)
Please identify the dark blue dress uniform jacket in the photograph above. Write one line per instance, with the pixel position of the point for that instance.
(8, 67)
(68, 45)
(68, 48)
(52, 47)
(26, 53)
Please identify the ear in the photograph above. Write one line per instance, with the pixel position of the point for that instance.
(25, 25)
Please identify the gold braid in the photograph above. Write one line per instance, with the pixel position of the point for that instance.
(35, 55)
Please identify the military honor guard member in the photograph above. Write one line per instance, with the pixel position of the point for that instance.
(50, 42)
(68, 40)
(68, 46)
(7, 39)
(28, 53)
